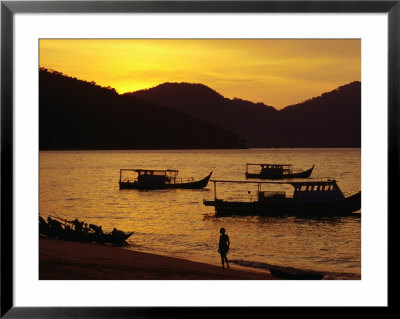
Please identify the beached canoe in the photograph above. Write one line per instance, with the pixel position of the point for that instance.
(62, 230)
(295, 274)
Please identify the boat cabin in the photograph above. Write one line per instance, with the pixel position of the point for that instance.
(315, 191)
(273, 169)
(148, 177)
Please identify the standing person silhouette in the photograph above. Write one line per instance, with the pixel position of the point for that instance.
(223, 247)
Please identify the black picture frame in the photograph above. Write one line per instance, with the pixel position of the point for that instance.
(9, 8)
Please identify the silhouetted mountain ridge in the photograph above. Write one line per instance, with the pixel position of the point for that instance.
(184, 89)
(332, 119)
(244, 118)
(76, 114)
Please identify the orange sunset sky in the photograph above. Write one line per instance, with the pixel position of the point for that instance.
(275, 72)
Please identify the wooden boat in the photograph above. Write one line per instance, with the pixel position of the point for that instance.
(110, 238)
(147, 179)
(60, 230)
(295, 274)
(310, 198)
(277, 171)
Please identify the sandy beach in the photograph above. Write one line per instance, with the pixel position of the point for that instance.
(66, 260)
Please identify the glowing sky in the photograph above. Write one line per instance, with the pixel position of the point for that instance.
(275, 72)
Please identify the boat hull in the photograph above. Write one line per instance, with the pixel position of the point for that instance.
(303, 174)
(86, 238)
(295, 274)
(188, 185)
(287, 206)
(119, 239)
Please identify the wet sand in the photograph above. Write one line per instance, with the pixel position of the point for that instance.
(66, 260)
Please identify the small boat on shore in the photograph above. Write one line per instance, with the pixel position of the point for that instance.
(150, 179)
(60, 228)
(277, 171)
(295, 274)
(116, 237)
(320, 198)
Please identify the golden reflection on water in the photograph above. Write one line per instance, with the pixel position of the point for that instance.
(84, 185)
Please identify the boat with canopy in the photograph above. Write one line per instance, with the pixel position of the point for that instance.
(317, 198)
(149, 179)
(276, 171)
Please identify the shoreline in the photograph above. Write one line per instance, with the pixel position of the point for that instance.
(67, 260)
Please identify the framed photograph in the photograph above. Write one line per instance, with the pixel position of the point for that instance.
(196, 154)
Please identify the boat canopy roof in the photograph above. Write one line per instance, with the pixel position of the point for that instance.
(268, 164)
(293, 183)
(315, 182)
(150, 171)
(300, 187)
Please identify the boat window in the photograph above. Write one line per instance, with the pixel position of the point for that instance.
(159, 173)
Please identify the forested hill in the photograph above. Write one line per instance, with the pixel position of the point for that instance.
(250, 121)
(330, 120)
(75, 114)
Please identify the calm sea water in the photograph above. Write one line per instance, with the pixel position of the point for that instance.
(84, 185)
